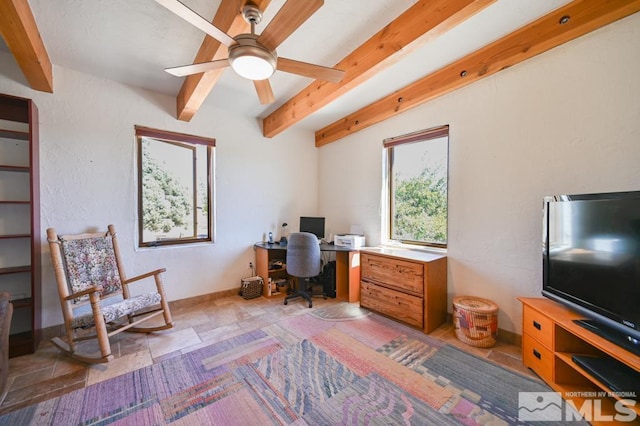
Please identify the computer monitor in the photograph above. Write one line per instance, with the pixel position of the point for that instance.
(315, 225)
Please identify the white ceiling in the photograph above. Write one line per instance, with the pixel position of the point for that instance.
(132, 41)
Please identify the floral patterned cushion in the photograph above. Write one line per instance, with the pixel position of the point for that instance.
(89, 262)
(118, 310)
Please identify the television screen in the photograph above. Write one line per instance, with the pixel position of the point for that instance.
(315, 225)
(591, 258)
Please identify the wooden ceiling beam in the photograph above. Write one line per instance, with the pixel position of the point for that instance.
(20, 33)
(544, 34)
(197, 87)
(422, 21)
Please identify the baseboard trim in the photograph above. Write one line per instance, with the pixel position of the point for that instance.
(203, 298)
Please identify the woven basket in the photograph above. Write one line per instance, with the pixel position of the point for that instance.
(475, 321)
(251, 287)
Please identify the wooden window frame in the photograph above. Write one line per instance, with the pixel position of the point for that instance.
(183, 140)
(390, 143)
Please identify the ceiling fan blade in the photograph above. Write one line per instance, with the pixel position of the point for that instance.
(197, 21)
(265, 93)
(287, 20)
(197, 68)
(317, 72)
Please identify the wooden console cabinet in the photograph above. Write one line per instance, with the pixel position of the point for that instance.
(550, 338)
(406, 285)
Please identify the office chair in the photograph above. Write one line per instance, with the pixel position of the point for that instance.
(303, 262)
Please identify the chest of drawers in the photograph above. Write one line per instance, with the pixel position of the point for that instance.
(405, 285)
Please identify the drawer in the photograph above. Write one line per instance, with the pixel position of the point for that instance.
(538, 326)
(396, 273)
(398, 305)
(537, 357)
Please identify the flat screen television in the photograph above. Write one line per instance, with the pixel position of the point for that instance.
(315, 225)
(591, 261)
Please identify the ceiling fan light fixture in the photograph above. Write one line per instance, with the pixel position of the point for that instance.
(250, 60)
(253, 67)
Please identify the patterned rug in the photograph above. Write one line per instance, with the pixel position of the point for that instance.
(334, 365)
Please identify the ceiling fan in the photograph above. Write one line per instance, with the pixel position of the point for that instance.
(254, 56)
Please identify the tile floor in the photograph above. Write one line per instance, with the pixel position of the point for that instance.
(48, 373)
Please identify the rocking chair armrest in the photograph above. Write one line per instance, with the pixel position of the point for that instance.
(143, 276)
(88, 291)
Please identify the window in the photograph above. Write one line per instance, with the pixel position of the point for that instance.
(416, 174)
(175, 188)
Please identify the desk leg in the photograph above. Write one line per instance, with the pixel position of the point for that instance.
(262, 268)
(348, 275)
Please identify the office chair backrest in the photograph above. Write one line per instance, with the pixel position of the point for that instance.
(303, 255)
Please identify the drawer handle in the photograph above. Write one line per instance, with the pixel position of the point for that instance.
(537, 325)
(537, 354)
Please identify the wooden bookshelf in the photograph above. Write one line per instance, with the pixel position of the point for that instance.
(20, 239)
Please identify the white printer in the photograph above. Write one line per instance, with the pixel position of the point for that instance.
(348, 240)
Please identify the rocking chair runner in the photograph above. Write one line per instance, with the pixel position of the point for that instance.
(94, 292)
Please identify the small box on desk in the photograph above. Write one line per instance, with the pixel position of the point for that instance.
(349, 240)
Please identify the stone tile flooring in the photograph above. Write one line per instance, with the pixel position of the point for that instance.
(48, 373)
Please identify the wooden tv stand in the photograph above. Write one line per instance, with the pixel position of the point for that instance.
(550, 337)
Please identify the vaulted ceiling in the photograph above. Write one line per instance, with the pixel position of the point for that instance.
(396, 54)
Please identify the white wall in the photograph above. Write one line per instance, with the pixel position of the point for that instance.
(88, 178)
(566, 121)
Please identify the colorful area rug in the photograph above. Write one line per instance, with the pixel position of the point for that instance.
(333, 365)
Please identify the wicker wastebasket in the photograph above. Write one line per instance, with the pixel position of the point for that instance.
(475, 321)
(251, 287)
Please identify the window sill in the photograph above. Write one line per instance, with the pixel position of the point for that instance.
(413, 247)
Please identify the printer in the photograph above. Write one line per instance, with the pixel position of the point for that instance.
(349, 240)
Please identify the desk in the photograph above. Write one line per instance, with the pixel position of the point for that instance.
(347, 267)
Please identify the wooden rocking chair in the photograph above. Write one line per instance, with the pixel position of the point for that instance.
(94, 293)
